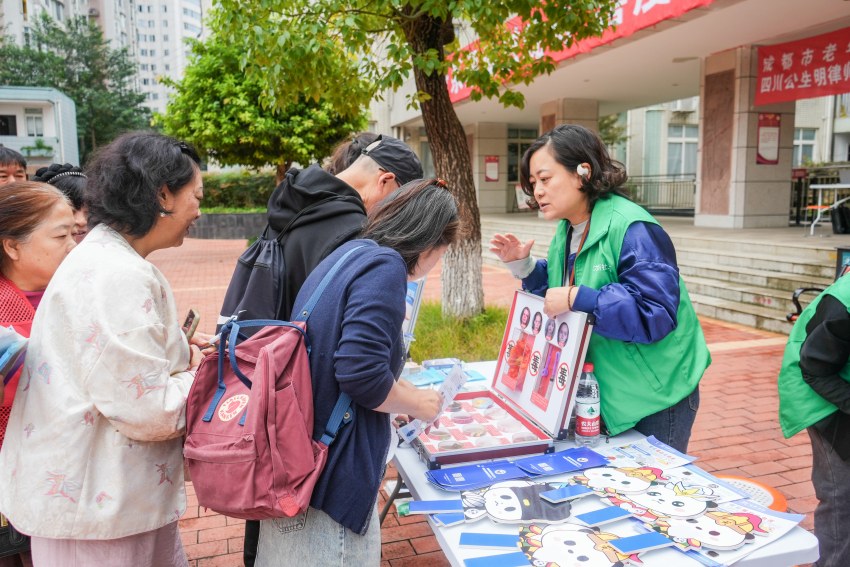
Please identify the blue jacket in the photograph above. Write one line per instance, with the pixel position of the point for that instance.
(623, 310)
(355, 346)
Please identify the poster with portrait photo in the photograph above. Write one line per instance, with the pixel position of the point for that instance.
(540, 362)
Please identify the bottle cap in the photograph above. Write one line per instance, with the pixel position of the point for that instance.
(588, 367)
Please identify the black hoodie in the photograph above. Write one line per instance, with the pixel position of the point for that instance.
(318, 212)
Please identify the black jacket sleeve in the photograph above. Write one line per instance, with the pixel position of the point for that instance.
(825, 352)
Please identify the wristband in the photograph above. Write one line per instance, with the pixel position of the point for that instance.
(570, 298)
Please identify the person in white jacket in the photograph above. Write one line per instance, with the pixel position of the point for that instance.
(92, 464)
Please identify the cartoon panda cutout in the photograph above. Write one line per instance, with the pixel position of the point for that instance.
(514, 501)
(665, 500)
(723, 531)
(622, 480)
(571, 545)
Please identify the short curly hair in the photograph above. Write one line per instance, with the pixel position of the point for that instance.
(126, 176)
(68, 178)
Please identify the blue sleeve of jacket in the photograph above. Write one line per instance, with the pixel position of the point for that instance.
(371, 324)
(642, 307)
(537, 282)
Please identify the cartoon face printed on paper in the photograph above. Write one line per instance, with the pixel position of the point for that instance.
(569, 545)
(514, 501)
(623, 480)
(671, 500)
(718, 530)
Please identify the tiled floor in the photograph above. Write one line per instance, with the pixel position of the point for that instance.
(736, 431)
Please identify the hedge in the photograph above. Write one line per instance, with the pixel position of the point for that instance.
(238, 189)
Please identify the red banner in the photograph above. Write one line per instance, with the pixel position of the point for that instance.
(630, 16)
(811, 67)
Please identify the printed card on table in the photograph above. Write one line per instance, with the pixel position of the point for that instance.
(540, 361)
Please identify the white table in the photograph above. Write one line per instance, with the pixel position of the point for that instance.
(820, 188)
(797, 546)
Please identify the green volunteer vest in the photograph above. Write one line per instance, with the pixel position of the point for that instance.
(635, 380)
(799, 405)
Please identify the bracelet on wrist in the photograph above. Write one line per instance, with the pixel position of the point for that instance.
(570, 298)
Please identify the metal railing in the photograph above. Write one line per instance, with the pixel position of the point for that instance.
(804, 199)
(664, 194)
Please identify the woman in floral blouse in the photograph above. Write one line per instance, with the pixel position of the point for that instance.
(92, 465)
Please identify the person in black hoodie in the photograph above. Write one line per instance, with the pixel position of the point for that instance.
(326, 210)
(319, 212)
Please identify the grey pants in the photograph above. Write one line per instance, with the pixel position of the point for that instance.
(313, 538)
(831, 478)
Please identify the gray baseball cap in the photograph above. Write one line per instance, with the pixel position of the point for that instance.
(396, 157)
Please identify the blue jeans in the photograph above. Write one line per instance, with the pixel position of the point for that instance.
(673, 425)
(831, 479)
(313, 538)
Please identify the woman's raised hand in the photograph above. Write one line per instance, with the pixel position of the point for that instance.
(509, 248)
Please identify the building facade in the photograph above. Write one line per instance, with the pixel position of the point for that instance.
(41, 123)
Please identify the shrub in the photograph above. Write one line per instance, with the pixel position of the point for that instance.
(238, 190)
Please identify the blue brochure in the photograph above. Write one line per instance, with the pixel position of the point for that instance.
(567, 492)
(475, 539)
(470, 477)
(517, 559)
(639, 543)
(449, 518)
(571, 460)
(602, 516)
(434, 506)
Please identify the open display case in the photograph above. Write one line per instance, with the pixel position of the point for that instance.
(531, 395)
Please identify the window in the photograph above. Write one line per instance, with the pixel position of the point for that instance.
(167, 66)
(165, 52)
(146, 81)
(144, 66)
(8, 125)
(518, 141)
(165, 37)
(165, 23)
(682, 149)
(143, 52)
(192, 28)
(153, 67)
(804, 145)
(164, 8)
(35, 122)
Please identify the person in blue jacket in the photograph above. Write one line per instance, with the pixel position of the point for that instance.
(611, 259)
(357, 347)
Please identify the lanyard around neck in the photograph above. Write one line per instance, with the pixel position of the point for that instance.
(572, 278)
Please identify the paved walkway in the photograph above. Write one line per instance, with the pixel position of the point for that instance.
(736, 431)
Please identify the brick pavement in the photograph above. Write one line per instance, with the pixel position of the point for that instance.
(736, 431)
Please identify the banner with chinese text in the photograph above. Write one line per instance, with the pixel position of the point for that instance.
(808, 68)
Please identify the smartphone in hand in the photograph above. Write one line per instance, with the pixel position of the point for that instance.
(191, 323)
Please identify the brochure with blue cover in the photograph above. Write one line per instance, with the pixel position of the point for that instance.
(470, 477)
(570, 460)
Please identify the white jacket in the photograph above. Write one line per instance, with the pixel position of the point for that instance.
(93, 449)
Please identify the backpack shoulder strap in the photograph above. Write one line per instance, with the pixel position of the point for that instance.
(317, 294)
(341, 413)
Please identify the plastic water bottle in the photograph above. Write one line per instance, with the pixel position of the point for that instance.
(588, 420)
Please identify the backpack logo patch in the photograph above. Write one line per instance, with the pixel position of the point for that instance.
(232, 407)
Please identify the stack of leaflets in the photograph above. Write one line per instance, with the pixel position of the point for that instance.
(12, 349)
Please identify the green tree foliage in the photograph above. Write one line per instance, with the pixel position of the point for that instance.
(612, 131)
(295, 45)
(217, 108)
(75, 59)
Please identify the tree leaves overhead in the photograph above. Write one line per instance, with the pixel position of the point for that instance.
(217, 108)
(75, 59)
(368, 40)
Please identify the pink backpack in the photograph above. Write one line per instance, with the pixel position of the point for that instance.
(249, 425)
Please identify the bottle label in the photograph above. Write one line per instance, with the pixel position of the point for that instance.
(587, 419)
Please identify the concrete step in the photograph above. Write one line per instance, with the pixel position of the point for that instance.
(734, 312)
(752, 277)
(780, 300)
(733, 258)
(788, 251)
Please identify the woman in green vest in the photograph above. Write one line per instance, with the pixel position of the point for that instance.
(611, 259)
(814, 394)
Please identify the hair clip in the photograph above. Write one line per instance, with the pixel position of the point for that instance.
(68, 173)
(441, 183)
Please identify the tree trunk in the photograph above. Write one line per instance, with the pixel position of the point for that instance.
(463, 292)
(280, 171)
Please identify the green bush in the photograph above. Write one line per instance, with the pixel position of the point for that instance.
(476, 339)
(238, 190)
